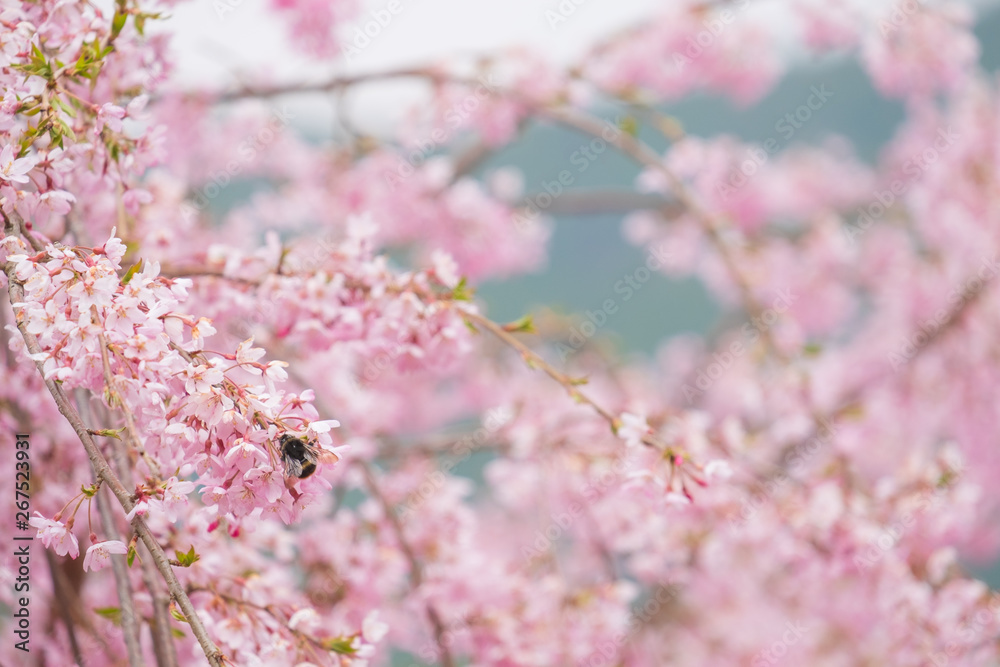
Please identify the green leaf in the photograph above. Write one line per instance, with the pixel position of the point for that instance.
(523, 325)
(812, 349)
(36, 54)
(81, 63)
(187, 559)
(629, 125)
(852, 411)
(134, 269)
(130, 556)
(117, 23)
(61, 103)
(340, 645)
(462, 291)
(176, 614)
(65, 129)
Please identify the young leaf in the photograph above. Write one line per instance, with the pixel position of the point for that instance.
(523, 325)
(135, 268)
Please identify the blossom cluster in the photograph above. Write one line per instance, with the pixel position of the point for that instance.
(314, 440)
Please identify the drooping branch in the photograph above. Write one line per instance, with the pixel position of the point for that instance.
(107, 475)
(160, 623)
(570, 384)
(328, 86)
(129, 620)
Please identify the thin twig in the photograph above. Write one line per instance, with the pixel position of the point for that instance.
(269, 609)
(535, 360)
(327, 86)
(129, 621)
(647, 157)
(416, 571)
(131, 430)
(64, 597)
(160, 623)
(14, 223)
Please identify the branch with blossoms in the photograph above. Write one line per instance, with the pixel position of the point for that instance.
(356, 647)
(347, 267)
(17, 293)
(719, 234)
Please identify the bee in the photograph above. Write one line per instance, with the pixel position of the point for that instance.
(302, 457)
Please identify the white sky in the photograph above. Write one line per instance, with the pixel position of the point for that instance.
(245, 43)
(246, 38)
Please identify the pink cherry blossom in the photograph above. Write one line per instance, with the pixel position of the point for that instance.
(633, 429)
(12, 169)
(269, 346)
(55, 535)
(110, 116)
(99, 555)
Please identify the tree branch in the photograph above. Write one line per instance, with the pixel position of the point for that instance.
(64, 596)
(647, 157)
(130, 624)
(416, 572)
(326, 86)
(535, 360)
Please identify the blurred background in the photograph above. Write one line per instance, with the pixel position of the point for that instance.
(228, 42)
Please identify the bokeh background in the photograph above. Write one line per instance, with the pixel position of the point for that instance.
(229, 42)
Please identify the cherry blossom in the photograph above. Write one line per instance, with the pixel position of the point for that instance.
(305, 431)
(99, 555)
(55, 535)
(14, 170)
